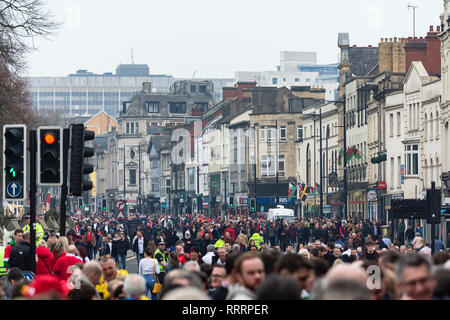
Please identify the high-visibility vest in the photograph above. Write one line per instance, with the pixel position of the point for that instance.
(258, 240)
(166, 260)
(39, 231)
(219, 243)
(3, 269)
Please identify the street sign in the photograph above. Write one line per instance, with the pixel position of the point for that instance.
(326, 209)
(14, 189)
(120, 205)
(120, 215)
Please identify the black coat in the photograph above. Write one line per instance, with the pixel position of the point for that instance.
(136, 244)
(20, 257)
(122, 246)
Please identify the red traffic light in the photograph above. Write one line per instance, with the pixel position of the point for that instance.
(49, 139)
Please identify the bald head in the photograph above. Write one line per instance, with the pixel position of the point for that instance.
(93, 271)
(72, 249)
(347, 271)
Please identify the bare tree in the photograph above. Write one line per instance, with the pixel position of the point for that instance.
(20, 22)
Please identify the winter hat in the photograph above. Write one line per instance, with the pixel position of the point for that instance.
(46, 283)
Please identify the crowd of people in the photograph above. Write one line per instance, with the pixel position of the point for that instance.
(227, 258)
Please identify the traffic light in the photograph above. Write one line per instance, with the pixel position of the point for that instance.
(50, 156)
(252, 204)
(80, 203)
(14, 161)
(78, 151)
(378, 159)
(104, 204)
(231, 202)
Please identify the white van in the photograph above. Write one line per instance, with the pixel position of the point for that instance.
(280, 212)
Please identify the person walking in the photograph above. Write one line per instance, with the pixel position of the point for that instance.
(139, 245)
(149, 269)
(44, 259)
(123, 245)
(90, 240)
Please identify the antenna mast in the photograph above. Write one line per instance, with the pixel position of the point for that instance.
(414, 17)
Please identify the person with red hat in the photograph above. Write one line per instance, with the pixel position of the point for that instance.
(63, 264)
(45, 287)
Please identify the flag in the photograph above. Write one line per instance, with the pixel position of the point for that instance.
(341, 155)
(313, 191)
(305, 192)
(47, 202)
(317, 187)
(291, 191)
(357, 153)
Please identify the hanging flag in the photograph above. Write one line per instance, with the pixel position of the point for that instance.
(313, 191)
(47, 202)
(356, 153)
(317, 187)
(341, 155)
(291, 191)
(299, 188)
(305, 192)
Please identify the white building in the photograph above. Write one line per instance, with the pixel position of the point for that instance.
(308, 154)
(422, 148)
(296, 69)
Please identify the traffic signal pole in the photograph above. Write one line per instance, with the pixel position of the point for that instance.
(64, 189)
(33, 192)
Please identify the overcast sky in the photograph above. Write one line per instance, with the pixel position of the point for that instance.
(215, 37)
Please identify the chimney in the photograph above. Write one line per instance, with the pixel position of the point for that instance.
(438, 29)
(431, 29)
(147, 87)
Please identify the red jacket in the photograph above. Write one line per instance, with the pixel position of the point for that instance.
(232, 233)
(45, 261)
(62, 266)
(57, 256)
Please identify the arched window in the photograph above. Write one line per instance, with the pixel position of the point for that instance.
(431, 171)
(425, 129)
(431, 126)
(437, 124)
(308, 165)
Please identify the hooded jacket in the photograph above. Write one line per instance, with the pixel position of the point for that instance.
(44, 262)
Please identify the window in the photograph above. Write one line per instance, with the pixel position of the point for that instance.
(202, 105)
(281, 170)
(202, 89)
(268, 166)
(399, 163)
(132, 128)
(193, 89)
(412, 159)
(391, 124)
(299, 132)
(271, 134)
(262, 134)
(177, 107)
(284, 79)
(307, 80)
(152, 106)
(392, 172)
(398, 123)
(437, 124)
(137, 127)
(283, 133)
(425, 128)
(167, 186)
(274, 80)
(297, 80)
(431, 126)
(128, 128)
(132, 177)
